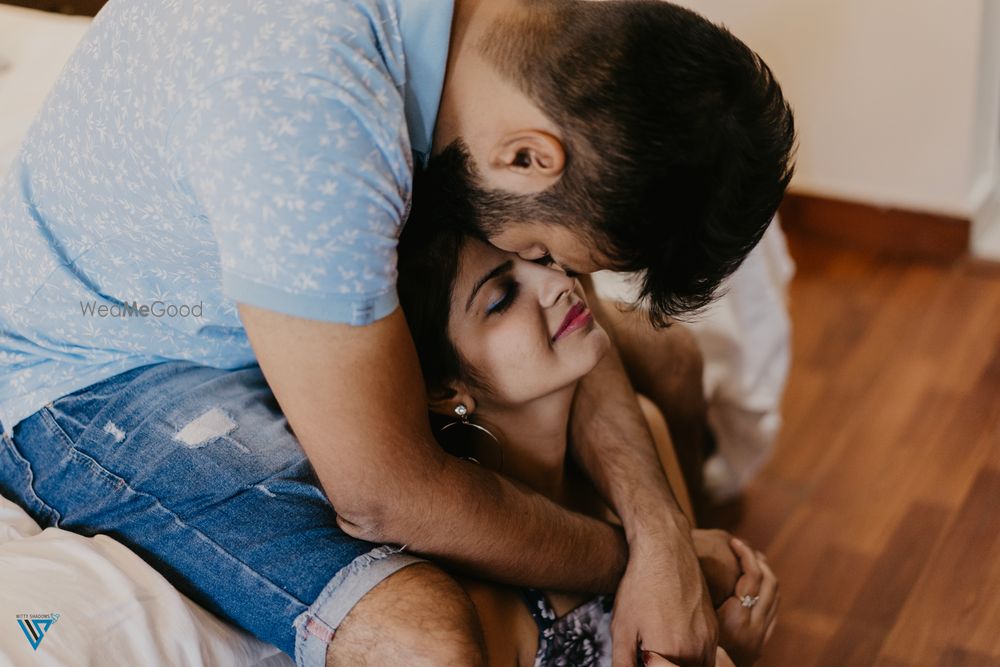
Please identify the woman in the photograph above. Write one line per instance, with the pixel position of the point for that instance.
(502, 344)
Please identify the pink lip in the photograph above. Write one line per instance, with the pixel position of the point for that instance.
(578, 317)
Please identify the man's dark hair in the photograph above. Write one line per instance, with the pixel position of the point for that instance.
(679, 142)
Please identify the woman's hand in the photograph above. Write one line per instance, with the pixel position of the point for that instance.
(744, 631)
(718, 563)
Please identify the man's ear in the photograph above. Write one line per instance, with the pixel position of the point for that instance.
(526, 161)
(444, 401)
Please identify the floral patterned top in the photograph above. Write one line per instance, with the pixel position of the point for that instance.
(580, 638)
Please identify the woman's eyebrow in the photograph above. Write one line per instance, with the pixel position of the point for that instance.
(498, 270)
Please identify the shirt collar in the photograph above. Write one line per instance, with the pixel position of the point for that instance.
(426, 29)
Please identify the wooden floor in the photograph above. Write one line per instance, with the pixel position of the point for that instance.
(881, 508)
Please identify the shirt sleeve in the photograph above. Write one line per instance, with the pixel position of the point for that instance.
(305, 186)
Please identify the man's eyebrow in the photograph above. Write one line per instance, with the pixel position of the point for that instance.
(501, 269)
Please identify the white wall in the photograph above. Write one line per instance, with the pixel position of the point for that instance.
(33, 48)
(897, 101)
(986, 198)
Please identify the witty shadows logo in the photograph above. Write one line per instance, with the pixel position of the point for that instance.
(35, 626)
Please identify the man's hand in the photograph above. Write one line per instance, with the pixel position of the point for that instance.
(718, 562)
(661, 606)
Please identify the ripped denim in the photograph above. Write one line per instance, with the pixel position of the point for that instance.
(197, 471)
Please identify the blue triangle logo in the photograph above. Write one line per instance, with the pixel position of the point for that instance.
(35, 628)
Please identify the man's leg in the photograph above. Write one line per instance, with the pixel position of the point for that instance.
(418, 617)
(196, 470)
(666, 365)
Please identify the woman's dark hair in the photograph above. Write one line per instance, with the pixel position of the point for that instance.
(679, 142)
(428, 262)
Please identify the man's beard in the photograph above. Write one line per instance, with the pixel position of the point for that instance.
(449, 192)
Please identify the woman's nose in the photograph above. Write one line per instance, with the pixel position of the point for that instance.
(555, 285)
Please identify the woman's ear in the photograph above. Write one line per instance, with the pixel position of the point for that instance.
(444, 401)
(527, 161)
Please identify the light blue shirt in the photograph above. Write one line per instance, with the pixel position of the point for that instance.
(198, 153)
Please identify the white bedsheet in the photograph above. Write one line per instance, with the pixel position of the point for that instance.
(114, 609)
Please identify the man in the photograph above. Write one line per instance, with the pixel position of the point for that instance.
(211, 198)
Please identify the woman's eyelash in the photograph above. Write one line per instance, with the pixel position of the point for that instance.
(509, 296)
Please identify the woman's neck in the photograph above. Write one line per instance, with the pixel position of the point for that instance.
(534, 440)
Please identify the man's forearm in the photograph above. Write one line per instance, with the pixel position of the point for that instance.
(612, 443)
(663, 597)
(483, 524)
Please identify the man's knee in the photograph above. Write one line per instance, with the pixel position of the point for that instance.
(419, 616)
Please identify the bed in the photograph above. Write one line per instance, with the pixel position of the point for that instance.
(68, 600)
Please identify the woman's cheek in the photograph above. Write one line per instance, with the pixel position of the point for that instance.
(520, 362)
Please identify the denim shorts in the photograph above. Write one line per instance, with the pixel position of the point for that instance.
(198, 472)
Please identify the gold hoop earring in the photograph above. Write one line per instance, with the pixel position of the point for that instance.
(463, 414)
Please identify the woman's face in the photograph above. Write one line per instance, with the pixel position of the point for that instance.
(524, 328)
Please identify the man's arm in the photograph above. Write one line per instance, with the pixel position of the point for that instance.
(612, 443)
(663, 600)
(355, 399)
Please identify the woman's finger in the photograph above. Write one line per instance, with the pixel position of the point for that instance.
(768, 586)
(732, 614)
(772, 610)
(750, 582)
(770, 629)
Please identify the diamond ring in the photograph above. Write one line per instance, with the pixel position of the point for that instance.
(748, 601)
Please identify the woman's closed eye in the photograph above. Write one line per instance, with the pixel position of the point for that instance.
(504, 299)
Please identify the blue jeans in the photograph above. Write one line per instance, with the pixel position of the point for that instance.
(197, 471)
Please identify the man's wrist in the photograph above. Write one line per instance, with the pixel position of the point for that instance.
(668, 523)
